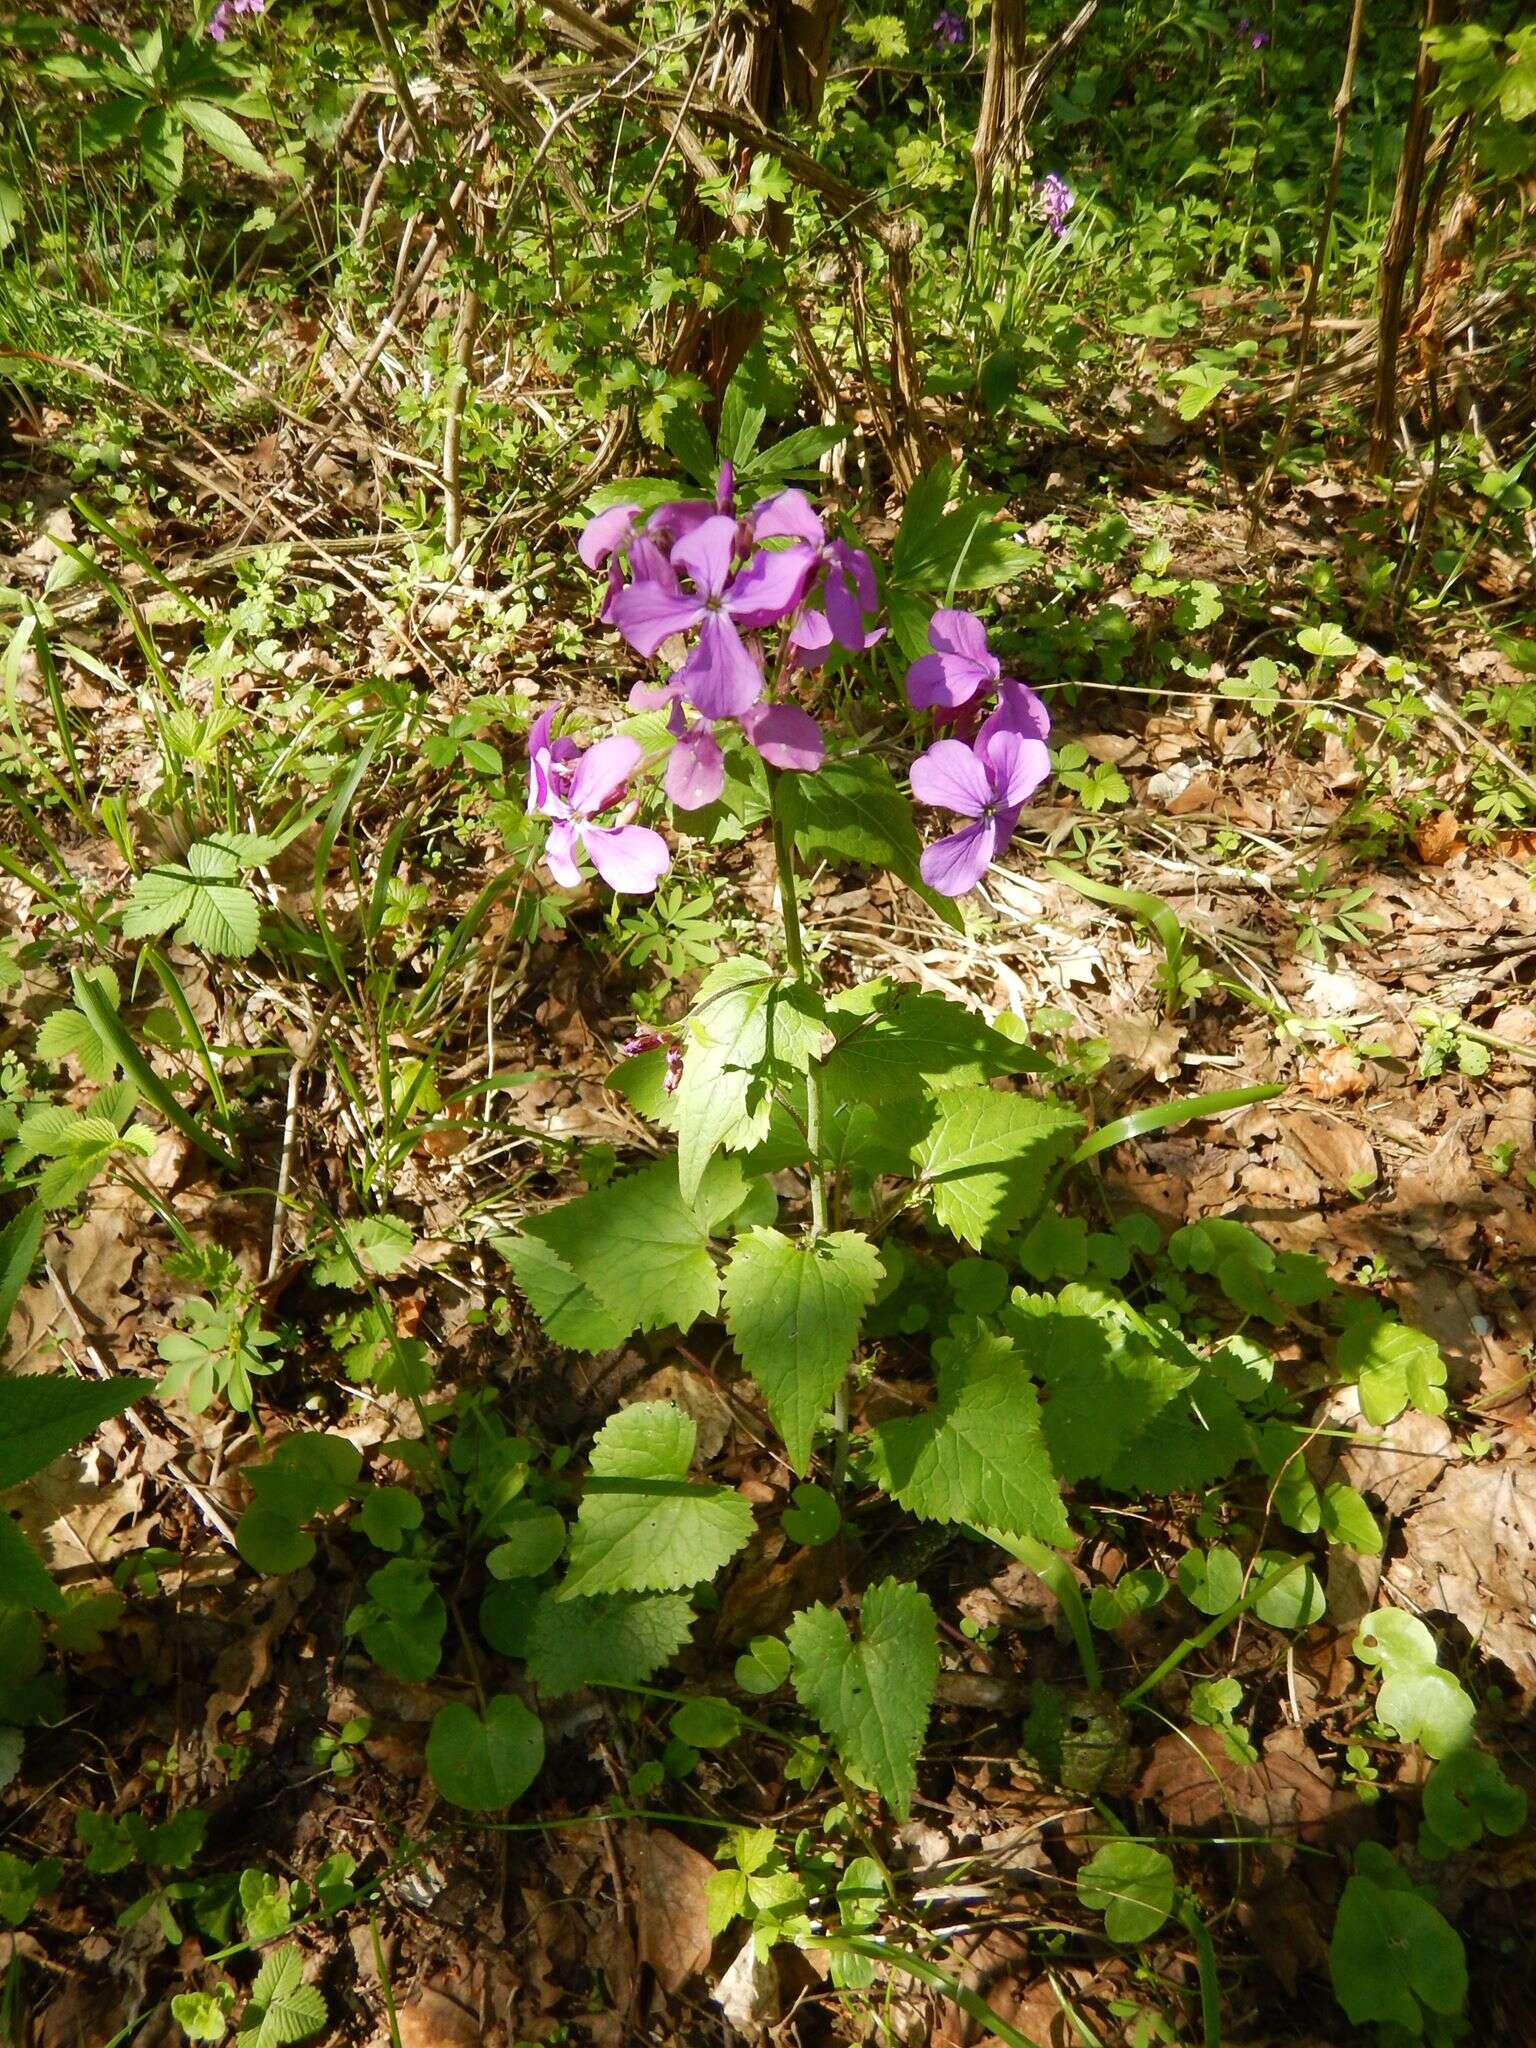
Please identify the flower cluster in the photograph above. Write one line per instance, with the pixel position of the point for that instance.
(949, 27)
(1055, 199)
(986, 768)
(717, 580)
(229, 11)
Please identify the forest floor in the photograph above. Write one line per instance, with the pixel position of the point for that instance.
(1400, 1145)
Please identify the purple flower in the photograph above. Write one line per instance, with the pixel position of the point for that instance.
(959, 668)
(630, 858)
(721, 676)
(549, 764)
(989, 784)
(228, 11)
(1055, 199)
(785, 737)
(948, 27)
(695, 767)
(1019, 710)
(850, 589)
(653, 1041)
(1258, 39)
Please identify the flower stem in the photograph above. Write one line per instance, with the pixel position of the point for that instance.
(794, 953)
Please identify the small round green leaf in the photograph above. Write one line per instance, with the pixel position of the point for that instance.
(1211, 1580)
(1131, 1884)
(1292, 1596)
(814, 1519)
(763, 1666)
(485, 1765)
(272, 1542)
(388, 1513)
(706, 1724)
(533, 1538)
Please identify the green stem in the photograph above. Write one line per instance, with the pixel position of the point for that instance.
(794, 953)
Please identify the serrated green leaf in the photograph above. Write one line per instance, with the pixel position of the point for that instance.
(283, 2008)
(642, 1526)
(638, 1247)
(979, 1456)
(67, 1033)
(794, 1307)
(987, 1157)
(918, 1041)
(485, 1764)
(871, 1697)
(25, 1580)
(205, 899)
(620, 1640)
(570, 1313)
(722, 1099)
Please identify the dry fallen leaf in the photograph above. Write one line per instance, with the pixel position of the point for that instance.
(1437, 838)
(1339, 1153)
(1336, 1075)
(1470, 1552)
(671, 1906)
(1286, 1795)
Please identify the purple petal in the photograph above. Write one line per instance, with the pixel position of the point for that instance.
(950, 775)
(860, 571)
(646, 614)
(706, 555)
(945, 682)
(788, 515)
(725, 489)
(810, 639)
(647, 564)
(845, 614)
(656, 696)
(1019, 710)
(953, 865)
(630, 858)
(679, 516)
(785, 737)
(1016, 766)
(955, 632)
(720, 676)
(560, 855)
(603, 773)
(771, 585)
(605, 534)
(695, 770)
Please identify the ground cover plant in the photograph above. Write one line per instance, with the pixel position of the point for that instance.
(766, 1135)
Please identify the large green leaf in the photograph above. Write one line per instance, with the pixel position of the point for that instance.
(643, 1526)
(618, 1640)
(206, 899)
(917, 1040)
(987, 1157)
(873, 1696)
(979, 1456)
(224, 134)
(42, 1414)
(637, 1247)
(852, 811)
(794, 1307)
(1392, 1952)
(24, 1578)
(569, 1311)
(722, 1097)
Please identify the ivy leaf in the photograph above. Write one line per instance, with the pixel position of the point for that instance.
(643, 1526)
(214, 910)
(873, 1696)
(1418, 1700)
(1131, 1884)
(283, 2008)
(794, 1307)
(623, 1639)
(1392, 1952)
(986, 1158)
(979, 1456)
(1395, 1366)
(43, 1414)
(638, 1247)
(485, 1765)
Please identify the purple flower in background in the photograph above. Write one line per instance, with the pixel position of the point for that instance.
(1055, 199)
(228, 11)
(1258, 39)
(721, 676)
(949, 27)
(989, 784)
(959, 668)
(630, 858)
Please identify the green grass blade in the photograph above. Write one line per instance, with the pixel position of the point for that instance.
(19, 1244)
(1163, 1116)
(112, 1032)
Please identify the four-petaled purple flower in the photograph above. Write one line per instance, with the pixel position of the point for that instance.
(989, 784)
(630, 858)
(959, 668)
(1055, 199)
(720, 677)
(949, 27)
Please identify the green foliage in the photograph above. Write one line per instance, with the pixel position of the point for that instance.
(1418, 1700)
(1131, 1884)
(763, 1666)
(872, 1697)
(305, 1477)
(643, 1525)
(615, 1639)
(218, 1353)
(79, 1145)
(211, 909)
(852, 812)
(1394, 1958)
(794, 1310)
(485, 1763)
(987, 1159)
(979, 1456)
(22, 1884)
(1396, 1367)
(70, 1034)
(282, 2007)
(403, 1621)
